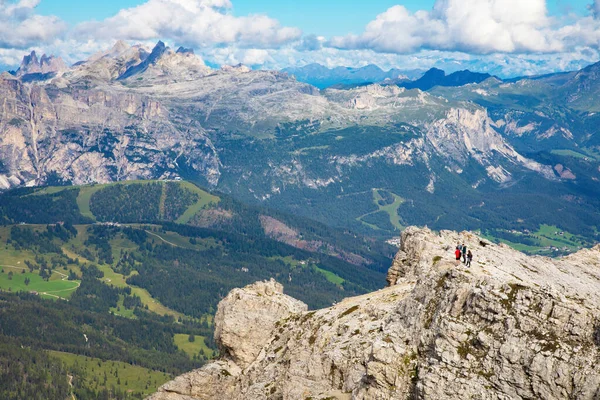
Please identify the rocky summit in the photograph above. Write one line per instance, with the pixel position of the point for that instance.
(509, 327)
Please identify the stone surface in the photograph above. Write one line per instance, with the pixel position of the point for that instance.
(508, 327)
(135, 113)
(246, 318)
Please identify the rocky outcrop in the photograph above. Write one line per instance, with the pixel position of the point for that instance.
(44, 67)
(246, 318)
(508, 327)
(478, 141)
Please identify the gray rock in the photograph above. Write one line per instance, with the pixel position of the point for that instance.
(128, 113)
(498, 330)
(246, 318)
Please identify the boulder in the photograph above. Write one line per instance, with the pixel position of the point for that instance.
(246, 318)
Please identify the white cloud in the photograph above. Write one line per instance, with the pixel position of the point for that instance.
(21, 27)
(473, 26)
(503, 37)
(503, 65)
(256, 57)
(197, 23)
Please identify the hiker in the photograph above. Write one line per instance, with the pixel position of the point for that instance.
(469, 259)
(457, 253)
(464, 253)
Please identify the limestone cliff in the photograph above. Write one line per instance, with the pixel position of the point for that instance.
(135, 113)
(508, 327)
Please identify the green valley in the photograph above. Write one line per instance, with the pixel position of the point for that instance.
(123, 380)
(119, 257)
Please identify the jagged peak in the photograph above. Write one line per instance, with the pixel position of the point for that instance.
(163, 65)
(43, 66)
(159, 47)
(120, 46)
(30, 58)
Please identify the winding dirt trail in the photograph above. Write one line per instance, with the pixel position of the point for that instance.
(64, 278)
(163, 239)
(71, 386)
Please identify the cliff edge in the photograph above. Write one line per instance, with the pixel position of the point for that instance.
(510, 326)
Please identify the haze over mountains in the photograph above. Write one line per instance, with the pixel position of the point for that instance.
(345, 77)
(372, 158)
(323, 77)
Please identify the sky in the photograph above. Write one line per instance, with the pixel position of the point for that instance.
(320, 17)
(504, 37)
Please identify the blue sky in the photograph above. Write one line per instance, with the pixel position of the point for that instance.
(504, 37)
(322, 17)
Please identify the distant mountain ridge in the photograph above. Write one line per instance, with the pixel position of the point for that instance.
(322, 77)
(34, 69)
(347, 77)
(437, 77)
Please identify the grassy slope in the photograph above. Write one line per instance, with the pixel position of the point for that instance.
(176, 239)
(83, 200)
(14, 260)
(390, 209)
(55, 286)
(121, 311)
(134, 378)
(86, 192)
(547, 236)
(204, 200)
(571, 153)
(192, 348)
(116, 279)
(331, 277)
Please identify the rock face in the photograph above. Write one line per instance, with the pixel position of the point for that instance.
(246, 318)
(508, 327)
(130, 113)
(45, 65)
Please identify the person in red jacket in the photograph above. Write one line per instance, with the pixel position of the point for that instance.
(457, 253)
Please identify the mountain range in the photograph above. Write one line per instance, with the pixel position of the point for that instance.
(372, 158)
(347, 78)
(322, 77)
(437, 77)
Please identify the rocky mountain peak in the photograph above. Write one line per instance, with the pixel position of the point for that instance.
(248, 316)
(158, 50)
(31, 64)
(119, 47)
(509, 326)
(165, 65)
(434, 73)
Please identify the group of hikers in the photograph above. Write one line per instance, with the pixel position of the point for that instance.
(461, 251)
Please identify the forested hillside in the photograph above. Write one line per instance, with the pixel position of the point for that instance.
(110, 278)
(123, 279)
